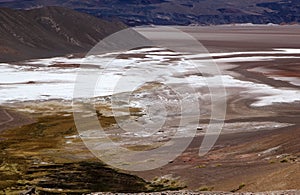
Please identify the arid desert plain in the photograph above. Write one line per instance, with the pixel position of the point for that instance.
(257, 150)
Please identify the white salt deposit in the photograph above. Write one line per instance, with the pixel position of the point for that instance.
(38, 81)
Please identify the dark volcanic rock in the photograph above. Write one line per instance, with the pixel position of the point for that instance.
(178, 12)
(49, 31)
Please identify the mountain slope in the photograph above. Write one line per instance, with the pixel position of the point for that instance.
(49, 31)
(178, 12)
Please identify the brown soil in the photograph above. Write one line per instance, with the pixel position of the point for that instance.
(10, 119)
(243, 161)
(238, 159)
(276, 67)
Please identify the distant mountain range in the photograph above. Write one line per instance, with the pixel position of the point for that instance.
(49, 31)
(179, 12)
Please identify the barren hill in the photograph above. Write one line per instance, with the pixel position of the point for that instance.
(49, 31)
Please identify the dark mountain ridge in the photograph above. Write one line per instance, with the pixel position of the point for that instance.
(49, 31)
(178, 12)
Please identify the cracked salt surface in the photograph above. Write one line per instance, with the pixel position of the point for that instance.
(37, 81)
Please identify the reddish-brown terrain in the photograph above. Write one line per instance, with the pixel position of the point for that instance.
(261, 160)
(258, 149)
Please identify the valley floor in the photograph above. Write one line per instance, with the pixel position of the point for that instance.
(257, 150)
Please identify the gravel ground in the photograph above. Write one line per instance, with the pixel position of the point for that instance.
(286, 192)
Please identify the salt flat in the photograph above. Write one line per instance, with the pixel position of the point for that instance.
(258, 144)
(38, 80)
